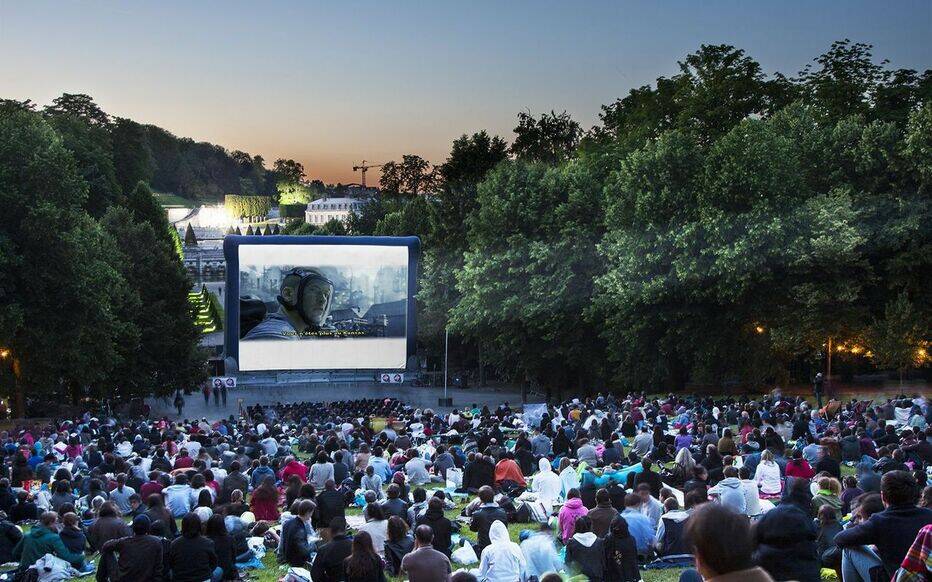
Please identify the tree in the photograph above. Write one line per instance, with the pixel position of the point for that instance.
(845, 81)
(332, 227)
(527, 277)
(551, 138)
(896, 339)
(145, 209)
(294, 193)
(80, 106)
(91, 149)
(167, 356)
(132, 160)
(289, 170)
(60, 279)
(190, 239)
(413, 175)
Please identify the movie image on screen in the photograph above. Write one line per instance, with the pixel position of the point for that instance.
(319, 306)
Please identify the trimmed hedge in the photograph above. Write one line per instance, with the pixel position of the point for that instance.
(292, 210)
(248, 206)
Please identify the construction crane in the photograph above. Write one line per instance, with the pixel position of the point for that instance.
(362, 168)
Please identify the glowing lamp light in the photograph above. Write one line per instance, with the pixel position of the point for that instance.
(759, 329)
(856, 349)
(4, 353)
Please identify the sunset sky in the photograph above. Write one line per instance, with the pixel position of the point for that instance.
(332, 83)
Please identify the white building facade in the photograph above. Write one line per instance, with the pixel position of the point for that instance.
(323, 210)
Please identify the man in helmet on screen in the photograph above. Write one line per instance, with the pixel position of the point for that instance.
(304, 299)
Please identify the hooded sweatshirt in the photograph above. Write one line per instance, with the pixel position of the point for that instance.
(541, 555)
(587, 552)
(572, 509)
(731, 494)
(502, 560)
(823, 497)
(547, 484)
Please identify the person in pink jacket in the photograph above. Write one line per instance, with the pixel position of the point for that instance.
(572, 509)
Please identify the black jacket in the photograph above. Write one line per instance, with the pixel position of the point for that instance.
(786, 544)
(621, 559)
(652, 478)
(396, 507)
(294, 549)
(192, 559)
(590, 560)
(226, 559)
(482, 521)
(9, 536)
(395, 552)
(891, 530)
(330, 504)
(478, 474)
(328, 564)
(232, 481)
(442, 528)
(830, 465)
(140, 558)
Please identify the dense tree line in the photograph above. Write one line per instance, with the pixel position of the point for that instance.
(720, 225)
(93, 295)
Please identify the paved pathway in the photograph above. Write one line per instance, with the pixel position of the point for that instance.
(324, 392)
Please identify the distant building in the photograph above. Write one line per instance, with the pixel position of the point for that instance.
(323, 210)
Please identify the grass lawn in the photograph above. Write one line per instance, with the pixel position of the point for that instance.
(169, 199)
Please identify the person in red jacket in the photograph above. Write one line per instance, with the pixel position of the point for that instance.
(294, 467)
(799, 467)
(508, 470)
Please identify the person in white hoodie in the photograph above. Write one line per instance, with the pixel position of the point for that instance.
(730, 491)
(751, 493)
(502, 560)
(546, 484)
(568, 475)
(767, 475)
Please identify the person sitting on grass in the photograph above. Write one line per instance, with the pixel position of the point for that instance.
(43, 539)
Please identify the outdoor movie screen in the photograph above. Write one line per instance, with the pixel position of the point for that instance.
(320, 303)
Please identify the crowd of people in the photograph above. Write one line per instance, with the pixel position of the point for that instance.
(736, 488)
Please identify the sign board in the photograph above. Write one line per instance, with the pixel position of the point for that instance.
(221, 381)
(391, 378)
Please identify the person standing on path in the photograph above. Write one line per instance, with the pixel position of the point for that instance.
(179, 402)
(206, 394)
(223, 394)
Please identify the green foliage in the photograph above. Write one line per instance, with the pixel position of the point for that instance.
(896, 338)
(413, 175)
(293, 194)
(332, 227)
(299, 228)
(166, 355)
(292, 210)
(551, 138)
(252, 207)
(190, 239)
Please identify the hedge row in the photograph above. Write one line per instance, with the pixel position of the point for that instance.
(248, 206)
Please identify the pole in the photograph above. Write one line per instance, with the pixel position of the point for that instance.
(828, 374)
(446, 355)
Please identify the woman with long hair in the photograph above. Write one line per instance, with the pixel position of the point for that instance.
(621, 553)
(293, 490)
(158, 512)
(191, 556)
(363, 565)
(767, 475)
(264, 501)
(216, 531)
(682, 470)
(398, 545)
(205, 505)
